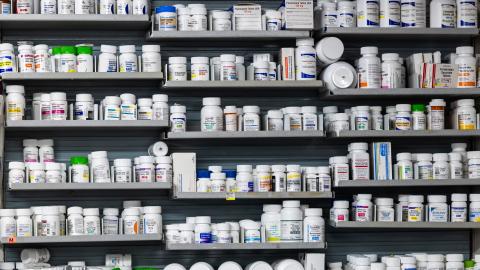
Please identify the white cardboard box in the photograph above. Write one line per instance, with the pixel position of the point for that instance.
(287, 62)
(184, 172)
(247, 17)
(381, 160)
(313, 261)
(298, 14)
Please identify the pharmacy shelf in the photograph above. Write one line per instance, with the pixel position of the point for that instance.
(73, 22)
(90, 186)
(407, 183)
(399, 32)
(406, 225)
(88, 124)
(244, 135)
(350, 93)
(242, 84)
(251, 195)
(244, 246)
(226, 35)
(72, 240)
(81, 76)
(405, 133)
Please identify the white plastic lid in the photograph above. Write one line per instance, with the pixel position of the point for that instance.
(291, 203)
(163, 160)
(36, 166)
(215, 168)
(272, 208)
(367, 197)
(259, 265)
(437, 198)
(84, 97)
(152, 209)
(309, 109)
(455, 156)
(50, 210)
(438, 102)
(230, 109)
(198, 10)
(171, 226)
(223, 226)
(108, 49)
(174, 266)
(186, 227)
(292, 110)
(323, 170)
(128, 98)
(403, 108)
(178, 109)
(440, 157)
(53, 166)
(220, 14)
(261, 64)
(340, 117)
(99, 154)
(408, 260)
(376, 265)
(122, 162)
(251, 225)
(384, 201)
(288, 264)
(111, 211)
(459, 146)
(23, 212)
(75, 210)
(199, 60)
(244, 168)
(278, 168)
(128, 204)
(330, 48)
(127, 49)
(146, 159)
(25, 47)
(335, 265)
(201, 266)
(111, 100)
(424, 157)
(218, 176)
(251, 109)
(359, 146)
(435, 258)
(390, 57)
(45, 97)
(263, 168)
(16, 165)
(473, 154)
(151, 48)
(160, 98)
(15, 89)
(45, 142)
(275, 114)
(91, 211)
(293, 168)
(465, 102)
(58, 96)
(177, 60)
(239, 59)
(420, 257)
(454, 257)
(361, 260)
(465, 50)
(404, 156)
(311, 170)
(340, 160)
(145, 102)
(39, 47)
(7, 212)
(474, 197)
(459, 197)
(391, 261)
(316, 212)
(415, 199)
(330, 109)
(368, 50)
(211, 101)
(305, 42)
(227, 58)
(230, 266)
(341, 204)
(132, 211)
(203, 220)
(271, 13)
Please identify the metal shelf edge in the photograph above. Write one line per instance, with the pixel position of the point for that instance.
(17, 76)
(91, 186)
(208, 35)
(245, 246)
(254, 195)
(406, 225)
(80, 239)
(43, 124)
(407, 183)
(244, 135)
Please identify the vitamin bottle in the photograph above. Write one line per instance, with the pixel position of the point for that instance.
(166, 18)
(223, 235)
(423, 167)
(340, 211)
(391, 71)
(218, 183)
(364, 208)
(100, 167)
(324, 179)
(456, 165)
(203, 231)
(271, 221)
(292, 118)
(360, 161)
(346, 14)
(177, 68)
(278, 178)
(68, 59)
(402, 208)
(369, 68)
(8, 225)
(294, 178)
(26, 58)
(112, 108)
(251, 118)
(305, 60)
(198, 18)
(384, 210)
(437, 208)
(75, 225)
(458, 208)
(466, 115)
(415, 208)
(467, 14)
(211, 115)
(414, 13)
(36, 172)
(329, 15)
(443, 14)
(291, 222)
(368, 13)
(151, 58)
(200, 69)
(110, 221)
(362, 117)
(473, 164)
(128, 108)
(107, 60)
(436, 114)
(221, 21)
(441, 168)
(466, 76)
(145, 111)
(16, 172)
(128, 59)
(474, 208)
(403, 119)
(84, 59)
(263, 179)
(91, 222)
(15, 102)
(24, 226)
(178, 119)
(313, 225)
(160, 107)
(79, 171)
(107, 7)
(84, 107)
(59, 105)
(390, 13)
(419, 121)
(140, 7)
(252, 232)
(230, 116)
(404, 167)
(228, 68)
(376, 118)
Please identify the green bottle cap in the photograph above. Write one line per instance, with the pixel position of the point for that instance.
(84, 50)
(418, 108)
(56, 50)
(68, 50)
(79, 160)
(469, 264)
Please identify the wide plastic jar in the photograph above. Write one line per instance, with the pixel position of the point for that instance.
(211, 115)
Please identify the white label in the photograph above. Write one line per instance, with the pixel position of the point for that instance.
(466, 76)
(272, 231)
(294, 182)
(467, 14)
(292, 230)
(369, 76)
(438, 214)
(110, 225)
(362, 213)
(75, 226)
(425, 172)
(415, 214)
(458, 214)
(314, 233)
(403, 123)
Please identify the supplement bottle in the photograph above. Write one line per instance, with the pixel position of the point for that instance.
(68, 59)
(178, 119)
(364, 208)
(100, 167)
(437, 208)
(274, 20)
(91, 221)
(443, 14)
(423, 168)
(211, 115)
(328, 15)
(177, 68)
(59, 106)
(291, 222)
(16, 172)
(163, 169)
(151, 58)
(466, 76)
(107, 7)
(441, 168)
(160, 107)
(263, 179)
(36, 106)
(50, 221)
(404, 167)
(385, 211)
(390, 13)
(200, 69)
(53, 172)
(313, 225)
(402, 208)
(436, 114)
(228, 68)
(36, 172)
(244, 178)
(203, 231)
(368, 13)
(474, 208)
(456, 165)
(145, 111)
(128, 108)
(218, 183)
(369, 68)
(75, 224)
(292, 118)
(107, 60)
(84, 107)
(467, 14)
(230, 115)
(473, 164)
(26, 58)
(294, 178)
(271, 221)
(128, 59)
(274, 120)
(403, 119)
(305, 60)
(251, 118)
(79, 170)
(261, 69)
(187, 236)
(466, 115)
(24, 222)
(419, 121)
(221, 21)
(131, 221)
(340, 211)
(252, 232)
(140, 7)
(324, 179)
(346, 14)
(415, 208)
(454, 262)
(278, 178)
(391, 70)
(360, 161)
(123, 170)
(84, 59)
(414, 13)
(458, 208)
(110, 225)
(203, 182)
(152, 220)
(8, 224)
(15, 102)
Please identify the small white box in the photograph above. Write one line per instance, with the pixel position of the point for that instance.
(381, 160)
(247, 17)
(287, 62)
(313, 261)
(299, 14)
(444, 75)
(184, 172)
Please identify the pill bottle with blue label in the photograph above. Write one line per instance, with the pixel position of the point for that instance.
(437, 208)
(203, 230)
(305, 60)
(458, 209)
(313, 225)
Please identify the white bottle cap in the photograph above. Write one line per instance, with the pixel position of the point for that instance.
(186, 227)
(92, 211)
(50, 210)
(465, 50)
(390, 57)
(384, 201)
(377, 266)
(25, 47)
(340, 160)
(272, 208)
(440, 157)
(391, 261)
(84, 97)
(424, 157)
(314, 212)
(309, 109)
(152, 209)
(275, 114)
(216, 169)
(404, 156)
(415, 199)
(58, 96)
(259, 265)
(340, 117)
(108, 49)
(420, 257)
(75, 210)
(127, 49)
(178, 109)
(160, 98)
(368, 50)
(323, 170)
(99, 154)
(15, 165)
(474, 197)
(403, 108)
(177, 60)
(128, 98)
(199, 60)
(244, 168)
(291, 203)
(437, 198)
(110, 211)
(227, 58)
(53, 166)
(367, 197)
(230, 109)
(128, 204)
(465, 102)
(163, 160)
(261, 64)
(459, 146)
(174, 266)
(111, 100)
(438, 102)
(330, 109)
(20, 89)
(435, 258)
(223, 226)
(454, 257)
(454, 156)
(329, 49)
(151, 48)
(278, 168)
(459, 197)
(359, 146)
(218, 176)
(230, 266)
(305, 42)
(122, 162)
(201, 266)
(8, 212)
(251, 109)
(263, 168)
(341, 204)
(133, 211)
(45, 142)
(311, 170)
(408, 260)
(39, 47)
(473, 154)
(146, 160)
(211, 101)
(293, 168)
(145, 102)
(34, 166)
(203, 220)
(23, 212)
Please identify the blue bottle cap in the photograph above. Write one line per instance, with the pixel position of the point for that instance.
(230, 173)
(165, 9)
(203, 174)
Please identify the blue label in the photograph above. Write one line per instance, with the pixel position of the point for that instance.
(205, 238)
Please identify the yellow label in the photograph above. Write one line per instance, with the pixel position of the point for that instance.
(230, 196)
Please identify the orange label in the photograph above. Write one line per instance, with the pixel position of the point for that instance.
(12, 240)
(472, 84)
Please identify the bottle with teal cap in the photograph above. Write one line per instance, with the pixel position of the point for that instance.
(79, 171)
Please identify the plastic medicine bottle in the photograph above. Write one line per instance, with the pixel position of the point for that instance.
(415, 208)
(368, 13)
(466, 76)
(251, 118)
(403, 119)
(313, 225)
(474, 208)
(294, 178)
(369, 68)
(151, 58)
(211, 115)
(423, 168)
(419, 121)
(305, 60)
(391, 71)
(291, 222)
(200, 69)
(467, 14)
(91, 222)
(145, 111)
(128, 59)
(160, 107)
(110, 221)
(466, 115)
(228, 68)
(178, 119)
(271, 221)
(84, 59)
(390, 13)
(458, 208)
(107, 60)
(456, 165)
(436, 114)
(404, 167)
(443, 14)
(24, 222)
(414, 13)
(75, 221)
(360, 161)
(364, 208)
(244, 178)
(441, 168)
(15, 102)
(177, 68)
(203, 231)
(346, 14)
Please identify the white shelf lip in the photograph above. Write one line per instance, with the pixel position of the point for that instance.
(90, 186)
(404, 92)
(232, 35)
(253, 195)
(83, 124)
(406, 225)
(242, 84)
(77, 18)
(80, 239)
(244, 246)
(244, 134)
(87, 76)
(405, 133)
(400, 31)
(407, 183)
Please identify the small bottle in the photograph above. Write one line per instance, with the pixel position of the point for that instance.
(203, 231)
(403, 119)
(385, 211)
(423, 168)
(278, 178)
(274, 120)
(458, 208)
(390, 13)
(68, 59)
(261, 71)
(418, 117)
(84, 59)
(369, 68)
(131, 221)
(273, 20)
(15, 102)
(346, 14)
(112, 108)
(200, 69)
(107, 60)
(239, 65)
(339, 211)
(36, 172)
(123, 170)
(16, 172)
(456, 165)
(218, 183)
(437, 208)
(294, 178)
(84, 107)
(110, 221)
(305, 60)
(24, 226)
(151, 58)
(291, 221)
(230, 116)
(442, 14)
(128, 60)
(211, 115)
(368, 13)
(177, 68)
(178, 119)
(436, 114)
(313, 226)
(128, 108)
(309, 118)
(415, 208)
(26, 58)
(79, 170)
(145, 111)
(473, 164)
(404, 167)
(441, 168)
(75, 223)
(152, 220)
(251, 118)
(263, 179)
(391, 71)
(221, 21)
(466, 74)
(362, 118)
(360, 161)
(53, 172)
(465, 115)
(187, 236)
(329, 15)
(364, 208)
(292, 119)
(160, 107)
(163, 169)
(228, 69)
(145, 170)
(467, 14)
(311, 179)
(58, 105)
